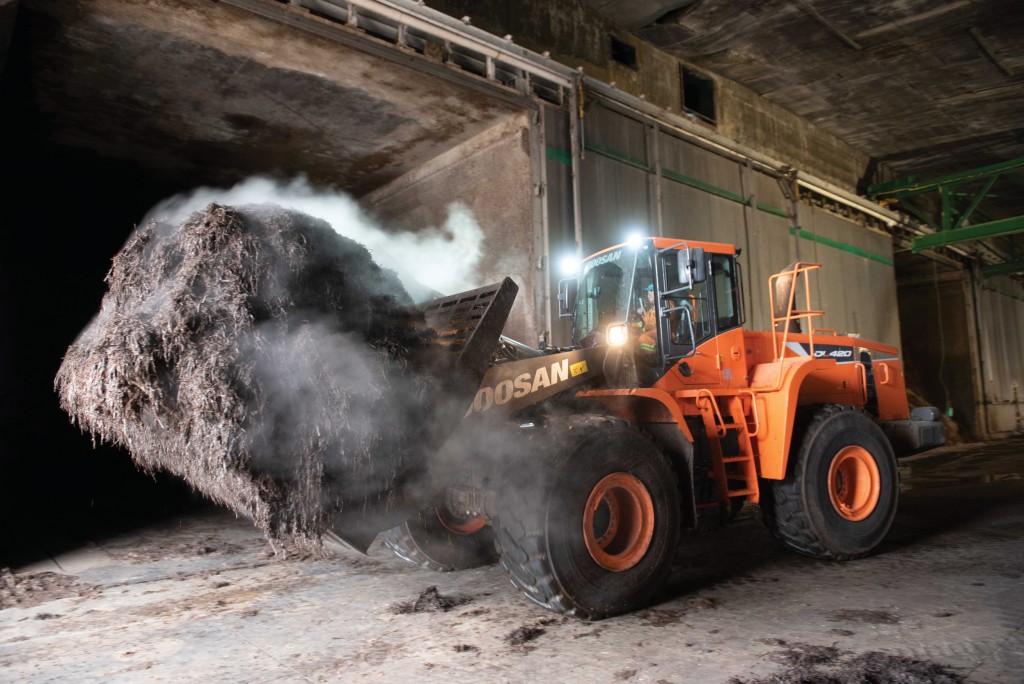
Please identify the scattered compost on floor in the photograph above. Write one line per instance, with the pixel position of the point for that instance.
(430, 601)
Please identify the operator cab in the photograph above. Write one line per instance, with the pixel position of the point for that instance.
(663, 298)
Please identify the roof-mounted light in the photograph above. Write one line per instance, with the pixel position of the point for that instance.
(569, 265)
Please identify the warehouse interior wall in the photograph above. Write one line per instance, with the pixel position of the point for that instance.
(491, 175)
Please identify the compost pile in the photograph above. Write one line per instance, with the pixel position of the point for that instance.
(264, 358)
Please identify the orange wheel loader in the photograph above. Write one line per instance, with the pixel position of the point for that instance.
(586, 462)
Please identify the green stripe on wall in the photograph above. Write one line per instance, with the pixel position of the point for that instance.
(767, 208)
(842, 246)
(557, 155)
(615, 155)
(701, 185)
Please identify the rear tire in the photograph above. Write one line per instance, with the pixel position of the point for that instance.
(595, 531)
(839, 498)
(428, 543)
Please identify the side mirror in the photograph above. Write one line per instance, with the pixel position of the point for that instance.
(567, 297)
(691, 266)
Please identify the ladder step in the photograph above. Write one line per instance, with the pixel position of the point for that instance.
(740, 492)
(737, 459)
(802, 312)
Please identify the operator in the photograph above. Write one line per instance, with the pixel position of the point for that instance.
(648, 323)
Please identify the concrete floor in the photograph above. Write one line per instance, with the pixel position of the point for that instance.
(199, 599)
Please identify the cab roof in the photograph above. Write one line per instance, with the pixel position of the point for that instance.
(674, 243)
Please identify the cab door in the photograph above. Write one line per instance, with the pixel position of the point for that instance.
(687, 320)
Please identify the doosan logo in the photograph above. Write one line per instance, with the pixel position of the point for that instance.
(603, 259)
(526, 383)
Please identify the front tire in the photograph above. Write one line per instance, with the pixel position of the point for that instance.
(839, 499)
(442, 545)
(594, 534)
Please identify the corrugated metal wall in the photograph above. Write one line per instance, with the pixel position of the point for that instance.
(636, 176)
(1000, 310)
(856, 286)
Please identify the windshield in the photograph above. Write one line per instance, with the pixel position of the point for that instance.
(612, 290)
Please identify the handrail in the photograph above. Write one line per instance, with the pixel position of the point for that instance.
(714, 404)
(863, 371)
(753, 410)
(779, 343)
(883, 367)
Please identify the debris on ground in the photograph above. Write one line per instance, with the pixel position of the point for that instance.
(429, 601)
(25, 590)
(808, 663)
(265, 359)
(524, 634)
(805, 655)
(466, 648)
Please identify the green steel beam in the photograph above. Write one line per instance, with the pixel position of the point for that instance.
(911, 186)
(947, 210)
(920, 214)
(978, 232)
(1009, 268)
(977, 200)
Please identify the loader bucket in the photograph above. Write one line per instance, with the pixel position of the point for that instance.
(469, 324)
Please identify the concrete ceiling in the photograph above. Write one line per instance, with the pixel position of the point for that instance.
(926, 87)
(200, 92)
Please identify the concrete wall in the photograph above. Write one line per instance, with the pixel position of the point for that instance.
(579, 37)
(490, 174)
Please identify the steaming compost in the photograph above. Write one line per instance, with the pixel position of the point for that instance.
(265, 359)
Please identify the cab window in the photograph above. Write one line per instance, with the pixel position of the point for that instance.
(694, 300)
(727, 307)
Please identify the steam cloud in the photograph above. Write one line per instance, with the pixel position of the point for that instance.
(437, 260)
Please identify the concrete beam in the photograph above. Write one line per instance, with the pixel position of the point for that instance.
(202, 92)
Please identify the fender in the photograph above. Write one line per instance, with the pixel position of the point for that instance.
(646, 405)
(777, 387)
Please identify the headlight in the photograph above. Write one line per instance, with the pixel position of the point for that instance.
(618, 334)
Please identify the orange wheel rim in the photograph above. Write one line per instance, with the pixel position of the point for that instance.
(460, 525)
(618, 522)
(854, 483)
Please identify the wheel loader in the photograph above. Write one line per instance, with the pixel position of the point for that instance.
(579, 467)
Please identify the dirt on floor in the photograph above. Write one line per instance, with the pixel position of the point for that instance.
(25, 590)
(940, 602)
(811, 664)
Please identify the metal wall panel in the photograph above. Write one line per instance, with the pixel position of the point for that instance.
(856, 286)
(771, 250)
(1000, 303)
(636, 175)
(615, 202)
(619, 134)
(561, 229)
(558, 168)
